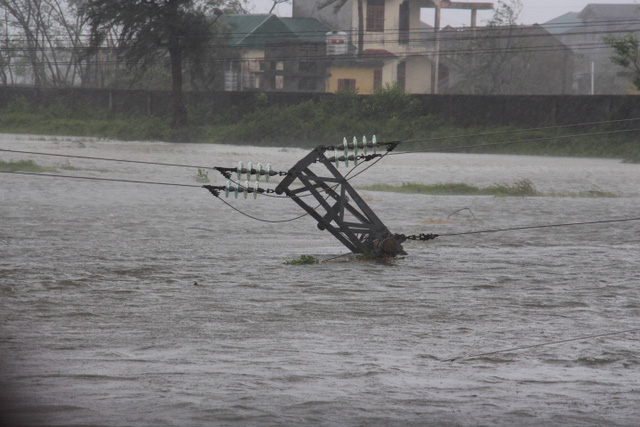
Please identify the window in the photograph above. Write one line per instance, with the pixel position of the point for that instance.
(279, 82)
(403, 27)
(307, 67)
(375, 15)
(346, 84)
(377, 78)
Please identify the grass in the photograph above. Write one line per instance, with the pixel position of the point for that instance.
(522, 188)
(23, 166)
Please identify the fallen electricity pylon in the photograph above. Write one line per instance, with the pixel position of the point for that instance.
(316, 185)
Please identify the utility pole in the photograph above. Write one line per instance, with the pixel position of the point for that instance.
(435, 65)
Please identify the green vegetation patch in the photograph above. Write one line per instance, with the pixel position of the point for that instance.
(522, 188)
(23, 166)
(202, 176)
(304, 259)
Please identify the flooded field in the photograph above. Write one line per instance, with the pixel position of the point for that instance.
(138, 304)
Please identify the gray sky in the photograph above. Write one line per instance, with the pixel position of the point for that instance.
(534, 11)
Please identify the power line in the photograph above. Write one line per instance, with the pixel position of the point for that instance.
(394, 31)
(72, 156)
(443, 138)
(508, 350)
(90, 178)
(493, 144)
(537, 227)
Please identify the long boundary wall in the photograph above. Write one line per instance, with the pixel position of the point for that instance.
(465, 110)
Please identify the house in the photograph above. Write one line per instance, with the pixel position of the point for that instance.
(584, 32)
(273, 53)
(389, 40)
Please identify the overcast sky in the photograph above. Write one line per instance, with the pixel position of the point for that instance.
(534, 11)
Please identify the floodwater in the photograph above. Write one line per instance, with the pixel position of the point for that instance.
(101, 322)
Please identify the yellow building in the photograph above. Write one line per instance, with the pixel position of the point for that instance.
(364, 74)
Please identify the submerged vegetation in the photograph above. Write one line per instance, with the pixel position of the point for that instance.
(522, 188)
(202, 176)
(389, 114)
(22, 166)
(303, 260)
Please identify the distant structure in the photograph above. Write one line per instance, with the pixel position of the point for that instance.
(275, 54)
(583, 32)
(389, 44)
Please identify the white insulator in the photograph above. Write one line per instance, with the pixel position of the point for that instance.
(346, 152)
(355, 146)
(237, 189)
(246, 189)
(256, 188)
(258, 171)
(355, 151)
(249, 167)
(345, 145)
(374, 143)
(364, 144)
(239, 170)
(227, 187)
(268, 172)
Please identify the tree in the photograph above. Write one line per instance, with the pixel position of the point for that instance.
(626, 54)
(275, 3)
(44, 41)
(148, 30)
(490, 59)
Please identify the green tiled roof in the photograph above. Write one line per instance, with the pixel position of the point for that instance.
(309, 29)
(253, 31)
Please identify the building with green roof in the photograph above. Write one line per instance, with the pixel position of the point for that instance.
(275, 53)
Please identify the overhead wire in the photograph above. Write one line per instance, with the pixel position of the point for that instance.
(418, 36)
(535, 227)
(507, 132)
(524, 347)
(445, 32)
(106, 159)
(516, 141)
(92, 178)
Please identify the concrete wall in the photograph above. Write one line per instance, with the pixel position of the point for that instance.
(466, 110)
